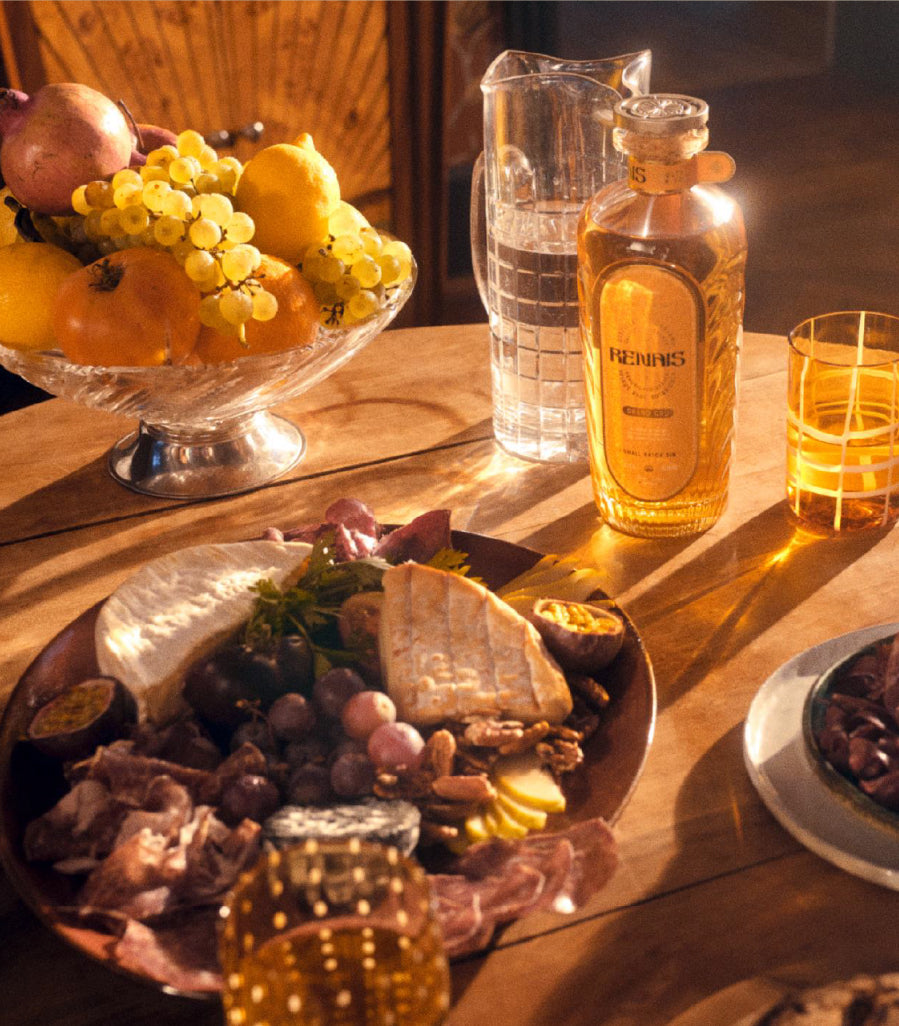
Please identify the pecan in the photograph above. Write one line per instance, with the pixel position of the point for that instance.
(493, 733)
(449, 812)
(438, 833)
(480, 761)
(560, 756)
(529, 737)
(440, 752)
(413, 786)
(560, 733)
(464, 788)
(586, 724)
(589, 689)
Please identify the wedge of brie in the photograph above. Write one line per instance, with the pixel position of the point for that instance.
(178, 608)
(451, 649)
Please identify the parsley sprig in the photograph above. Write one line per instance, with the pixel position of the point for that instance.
(311, 606)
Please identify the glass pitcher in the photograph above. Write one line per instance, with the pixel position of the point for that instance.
(547, 150)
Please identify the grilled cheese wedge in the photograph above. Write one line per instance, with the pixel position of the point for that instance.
(450, 649)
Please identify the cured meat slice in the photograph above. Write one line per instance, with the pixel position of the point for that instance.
(79, 830)
(180, 954)
(498, 881)
(458, 909)
(136, 878)
(166, 809)
(419, 540)
(129, 775)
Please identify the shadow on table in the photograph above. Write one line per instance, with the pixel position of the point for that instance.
(712, 607)
(698, 944)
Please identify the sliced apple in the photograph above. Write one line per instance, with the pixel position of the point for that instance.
(524, 778)
(499, 822)
(527, 815)
(476, 828)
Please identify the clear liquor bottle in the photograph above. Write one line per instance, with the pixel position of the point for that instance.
(661, 263)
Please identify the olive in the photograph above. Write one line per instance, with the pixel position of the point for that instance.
(310, 785)
(294, 658)
(85, 715)
(583, 638)
(249, 797)
(217, 687)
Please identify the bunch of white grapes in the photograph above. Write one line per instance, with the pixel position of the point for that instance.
(180, 200)
(356, 270)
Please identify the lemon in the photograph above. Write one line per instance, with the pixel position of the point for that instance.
(8, 231)
(290, 191)
(30, 274)
(345, 219)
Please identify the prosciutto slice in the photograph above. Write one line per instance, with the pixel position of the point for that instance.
(498, 881)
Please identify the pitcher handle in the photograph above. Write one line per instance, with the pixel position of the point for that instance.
(479, 229)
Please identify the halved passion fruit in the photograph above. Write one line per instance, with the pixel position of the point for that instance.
(85, 715)
(582, 637)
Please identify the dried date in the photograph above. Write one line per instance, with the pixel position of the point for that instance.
(860, 735)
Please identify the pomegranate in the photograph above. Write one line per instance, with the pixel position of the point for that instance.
(61, 137)
(151, 137)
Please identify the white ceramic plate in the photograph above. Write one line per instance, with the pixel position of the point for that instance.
(779, 766)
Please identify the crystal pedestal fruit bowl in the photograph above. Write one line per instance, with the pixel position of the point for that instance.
(204, 431)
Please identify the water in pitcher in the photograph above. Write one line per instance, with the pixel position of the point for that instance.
(536, 359)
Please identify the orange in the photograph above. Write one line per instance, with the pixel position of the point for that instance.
(30, 276)
(294, 325)
(290, 191)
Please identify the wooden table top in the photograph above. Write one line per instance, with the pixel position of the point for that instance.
(712, 896)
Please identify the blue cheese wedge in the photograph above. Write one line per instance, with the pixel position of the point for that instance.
(178, 608)
(394, 822)
(451, 650)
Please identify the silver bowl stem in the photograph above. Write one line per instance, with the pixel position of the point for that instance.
(233, 457)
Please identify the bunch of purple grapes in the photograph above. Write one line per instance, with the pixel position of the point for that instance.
(324, 738)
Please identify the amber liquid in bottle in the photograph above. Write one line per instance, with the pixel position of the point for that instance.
(661, 294)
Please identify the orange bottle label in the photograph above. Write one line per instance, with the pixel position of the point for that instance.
(650, 323)
(651, 176)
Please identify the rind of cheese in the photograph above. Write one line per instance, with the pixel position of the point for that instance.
(177, 608)
(451, 649)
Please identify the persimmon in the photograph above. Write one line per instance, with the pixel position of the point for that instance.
(133, 308)
(294, 325)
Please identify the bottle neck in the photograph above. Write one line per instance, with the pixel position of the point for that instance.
(679, 175)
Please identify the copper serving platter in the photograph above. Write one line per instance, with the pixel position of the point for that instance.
(30, 783)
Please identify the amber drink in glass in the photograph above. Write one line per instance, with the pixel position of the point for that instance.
(843, 421)
(333, 934)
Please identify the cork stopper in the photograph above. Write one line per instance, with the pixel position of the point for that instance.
(661, 126)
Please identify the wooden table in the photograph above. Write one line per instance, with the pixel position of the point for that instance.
(710, 891)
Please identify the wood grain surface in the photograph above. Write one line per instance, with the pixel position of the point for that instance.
(710, 891)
